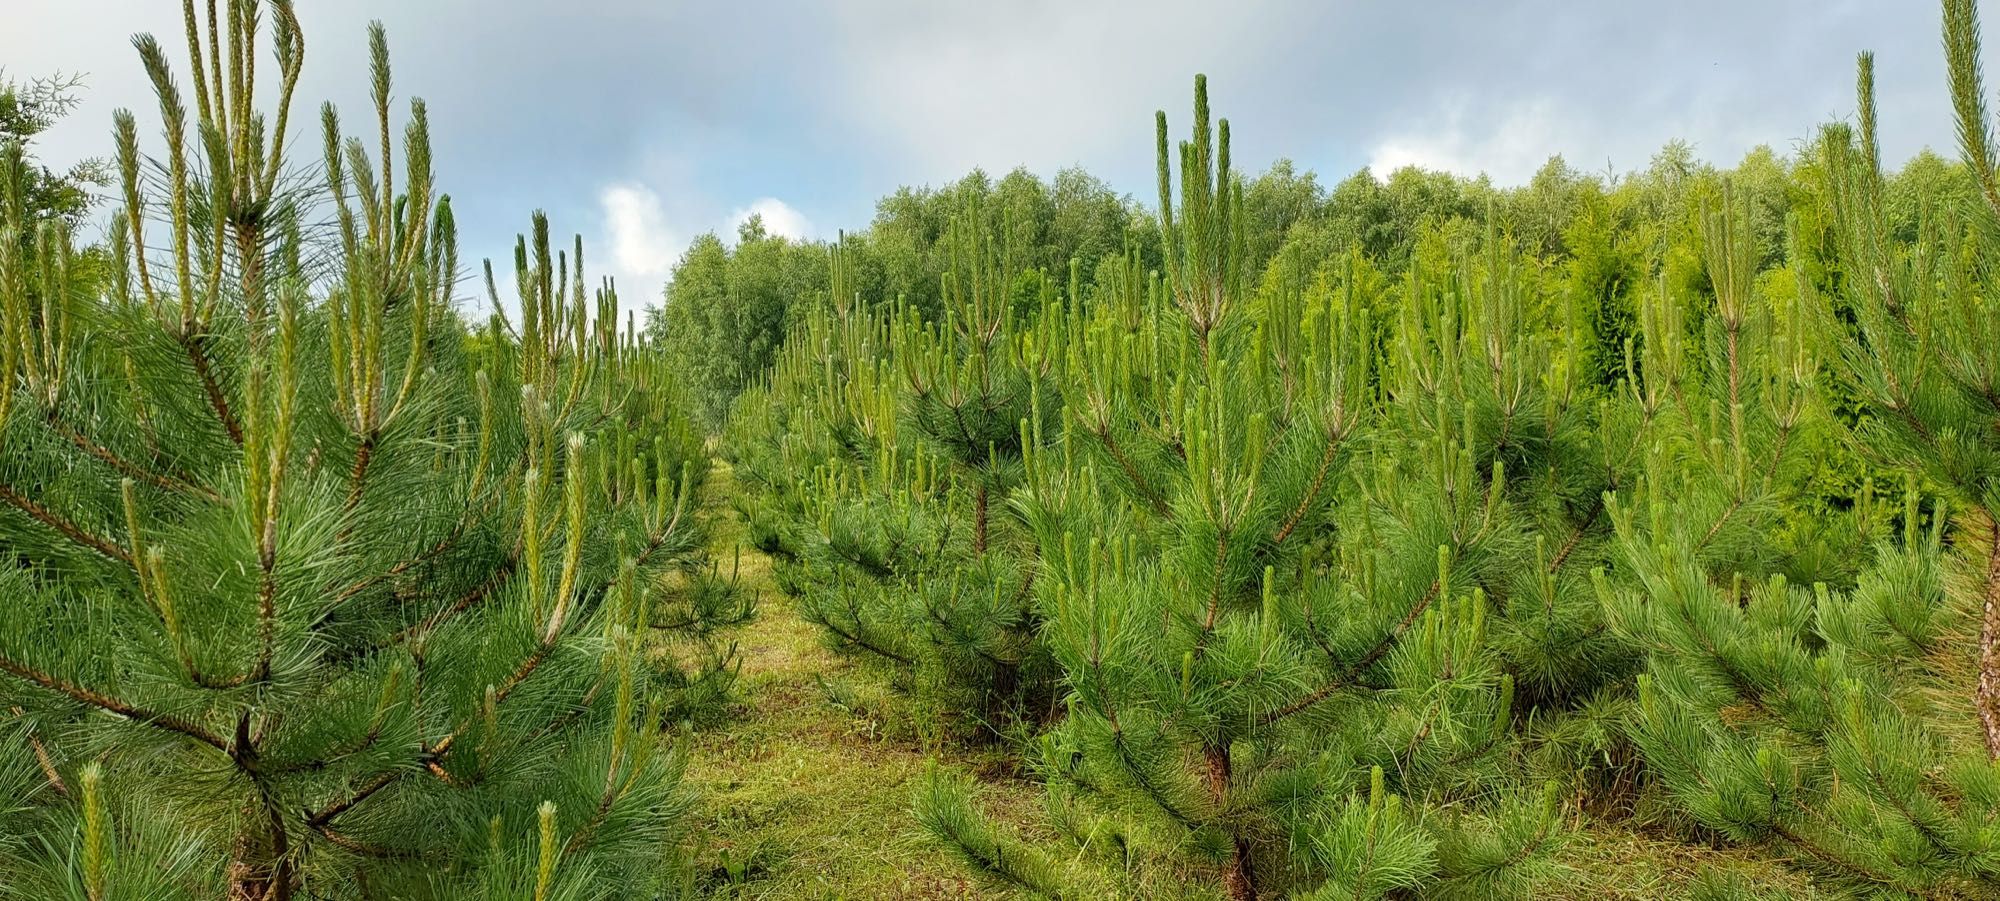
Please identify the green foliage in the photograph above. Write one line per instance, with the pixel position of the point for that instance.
(1375, 531)
(312, 588)
(1399, 539)
(1043, 225)
(728, 308)
(944, 807)
(1244, 628)
(891, 480)
(1790, 701)
(27, 109)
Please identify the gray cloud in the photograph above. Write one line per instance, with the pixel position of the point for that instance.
(708, 109)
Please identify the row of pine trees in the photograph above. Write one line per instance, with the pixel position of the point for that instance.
(1352, 587)
(1373, 578)
(309, 588)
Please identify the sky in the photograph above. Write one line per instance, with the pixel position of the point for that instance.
(640, 125)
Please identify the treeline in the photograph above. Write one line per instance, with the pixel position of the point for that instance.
(1395, 561)
(1609, 237)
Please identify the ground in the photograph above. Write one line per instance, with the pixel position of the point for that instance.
(806, 787)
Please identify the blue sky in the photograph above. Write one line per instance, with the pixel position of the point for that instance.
(641, 124)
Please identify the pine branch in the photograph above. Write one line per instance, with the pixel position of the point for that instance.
(113, 705)
(175, 482)
(196, 348)
(333, 811)
(965, 638)
(612, 792)
(1851, 866)
(1103, 434)
(451, 538)
(67, 529)
(1576, 536)
(43, 760)
(1968, 96)
(357, 478)
(470, 599)
(355, 846)
(863, 643)
(1354, 670)
(551, 635)
(1119, 743)
(1239, 878)
(1299, 512)
(267, 599)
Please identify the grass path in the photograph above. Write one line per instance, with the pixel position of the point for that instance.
(806, 787)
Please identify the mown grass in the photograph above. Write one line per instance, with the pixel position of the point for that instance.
(806, 785)
(1606, 863)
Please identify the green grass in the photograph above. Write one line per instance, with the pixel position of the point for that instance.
(1606, 863)
(806, 785)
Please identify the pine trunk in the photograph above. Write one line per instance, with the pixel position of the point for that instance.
(1006, 684)
(1240, 878)
(979, 520)
(1988, 695)
(256, 874)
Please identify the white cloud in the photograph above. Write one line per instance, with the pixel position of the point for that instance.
(644, 245)
(1509, 148)
(645, 233)
(780, 218)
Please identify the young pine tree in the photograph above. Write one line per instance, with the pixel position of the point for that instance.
(885, 447)
(1843, 722)
(312, 592)
(1271, 601)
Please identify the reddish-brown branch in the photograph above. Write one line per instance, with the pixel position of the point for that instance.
(857, 640)
(603, 809)
(262, 868)
(434, 754)
(328, 813)
(1360, 666)
(469, 599)
(1312, 493)
(458, 531)
(534, 661)
(1828, 855)
(1716, 527)
(979, 520)
(197, 353)
(175, 482)
(1576, 538)
(68, 529)
(363, 455)
(354, 845)
(473, 597)
(113, 705)
(1215, 590)
(267, 603)
(1131, 471)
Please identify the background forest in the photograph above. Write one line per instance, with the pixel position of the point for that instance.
(1604, 235)
(1612, 535)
